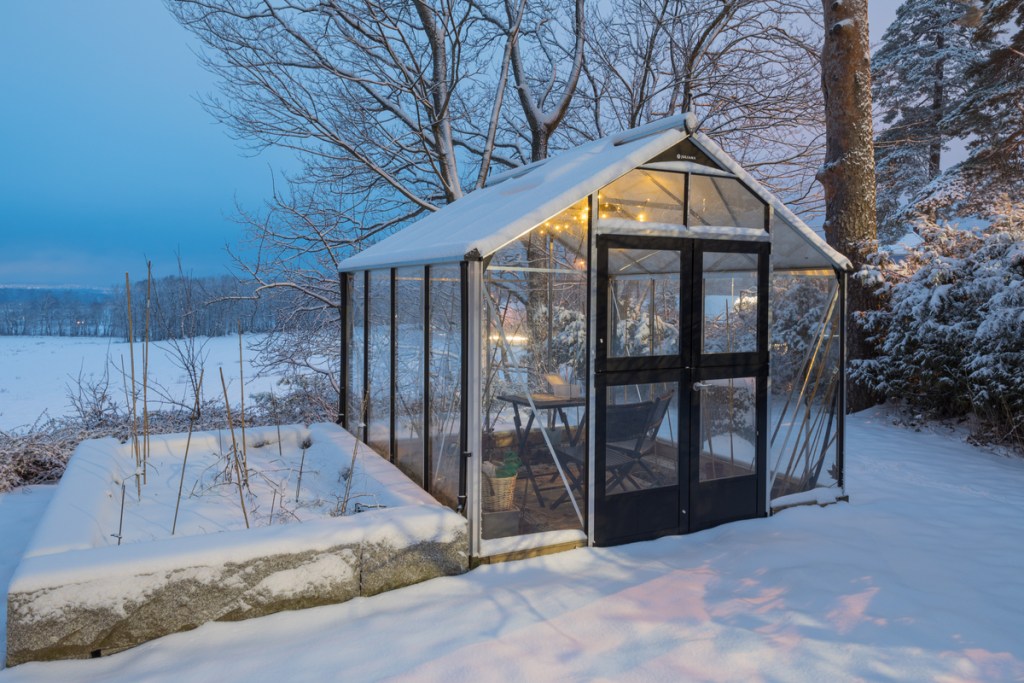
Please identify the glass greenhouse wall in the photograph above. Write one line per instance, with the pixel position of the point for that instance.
(806, 374)
(661, 355)
(445, 381)
(535, 377)
(403, 336)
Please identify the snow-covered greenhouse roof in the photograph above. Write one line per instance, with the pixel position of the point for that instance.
(516, 201)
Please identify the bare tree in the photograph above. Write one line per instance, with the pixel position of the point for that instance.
(748, 68)
(398, 108)
(537, 46)
(365, 92)
(848, 175)
(390, 105)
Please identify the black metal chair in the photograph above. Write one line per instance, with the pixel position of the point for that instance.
(631, 431)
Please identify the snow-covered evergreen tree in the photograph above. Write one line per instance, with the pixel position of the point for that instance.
(950, 339)
(992, 112)
(917, 73)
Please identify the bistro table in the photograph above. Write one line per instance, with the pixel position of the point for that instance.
(558, 406)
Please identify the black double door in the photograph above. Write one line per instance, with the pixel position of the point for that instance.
(681, 374)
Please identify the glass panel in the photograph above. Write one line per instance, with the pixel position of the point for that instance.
(729, 320)
(641, 437)
(409, 440)
(356, 386)
(535, 302)
(724, 202)
(728, 427)
(643, 302)
(378, 411)
(805, 381)
(645, 196)
(445, 382)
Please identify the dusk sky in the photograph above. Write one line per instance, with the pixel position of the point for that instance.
(107, 158)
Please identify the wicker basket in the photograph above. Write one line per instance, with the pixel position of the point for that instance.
(499, 493)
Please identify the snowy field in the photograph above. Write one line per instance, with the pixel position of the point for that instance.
(36, 373)
(919, 578)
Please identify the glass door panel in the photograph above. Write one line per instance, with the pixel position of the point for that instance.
(728, 427)
(643, 302)
(729, 320)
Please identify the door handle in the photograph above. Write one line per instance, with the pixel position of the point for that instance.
(701, 386)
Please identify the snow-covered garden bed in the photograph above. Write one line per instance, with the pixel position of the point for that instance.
(100, 575)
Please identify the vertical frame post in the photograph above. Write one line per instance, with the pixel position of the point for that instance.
(393, 375)
(464, 451)
(365, 399)
(428, 442)
(473, 360)
(344, 320)
(593, 282)
(841, 412)
(686, 200)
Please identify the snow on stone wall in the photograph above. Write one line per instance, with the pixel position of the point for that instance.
(74, 594)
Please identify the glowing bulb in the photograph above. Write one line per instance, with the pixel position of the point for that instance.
(642, 217)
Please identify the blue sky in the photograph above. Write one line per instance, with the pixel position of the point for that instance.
(106, 158)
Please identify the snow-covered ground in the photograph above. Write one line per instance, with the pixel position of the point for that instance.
(20, 511)
(210, 500)
(919, 578)
(37, 373)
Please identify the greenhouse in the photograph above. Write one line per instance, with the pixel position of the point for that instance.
(630, 339)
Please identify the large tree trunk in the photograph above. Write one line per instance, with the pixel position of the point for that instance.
(848, 176)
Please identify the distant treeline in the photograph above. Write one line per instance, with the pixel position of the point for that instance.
(179, 306)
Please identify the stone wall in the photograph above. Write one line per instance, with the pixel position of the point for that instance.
(71, 599)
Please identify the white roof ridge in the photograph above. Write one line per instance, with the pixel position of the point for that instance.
(678, 121)
(516, 172)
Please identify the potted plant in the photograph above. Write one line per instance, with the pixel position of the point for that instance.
(500, 516)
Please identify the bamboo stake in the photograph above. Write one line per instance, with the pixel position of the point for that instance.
(299, 482)
(124, 382)
(145, 375)
(808, 370)
(343, 508)
(241, 387)
(120, 525)
(277, 423)
(188, 442)
(234, 449)
(817, 369)
(134, 407)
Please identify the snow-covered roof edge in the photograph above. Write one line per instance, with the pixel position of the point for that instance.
(486, 219)
(711, 148)
(456, 232)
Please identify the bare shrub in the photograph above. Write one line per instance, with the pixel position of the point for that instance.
(39, 454)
